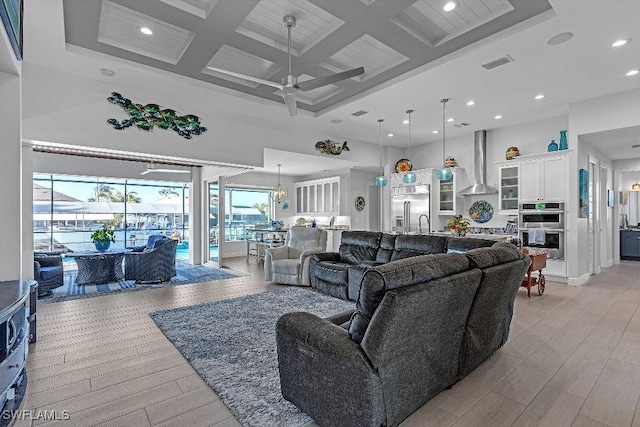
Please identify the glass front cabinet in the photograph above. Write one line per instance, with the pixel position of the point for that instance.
(321, 196)
(448, 193)
(509, 189)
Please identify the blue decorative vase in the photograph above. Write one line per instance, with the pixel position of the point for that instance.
(102, 246)
(553, 146)
(381, 181)
(563, 140)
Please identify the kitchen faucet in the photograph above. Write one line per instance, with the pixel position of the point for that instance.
(420, 224)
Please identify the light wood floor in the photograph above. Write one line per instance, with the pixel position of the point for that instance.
(573, 358)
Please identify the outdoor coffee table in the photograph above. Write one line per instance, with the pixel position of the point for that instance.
(98, 267)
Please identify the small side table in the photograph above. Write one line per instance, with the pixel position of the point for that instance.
(98, 267)
(538, 262)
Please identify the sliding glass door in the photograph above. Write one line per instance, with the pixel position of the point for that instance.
(214, 236)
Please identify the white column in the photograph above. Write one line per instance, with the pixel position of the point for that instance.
(27, 212)
(195, 217)
(11, 182)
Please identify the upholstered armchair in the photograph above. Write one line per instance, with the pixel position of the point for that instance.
(152, 265)
(289, 264)
(48, 272)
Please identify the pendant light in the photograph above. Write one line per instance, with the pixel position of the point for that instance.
(444, 173)
(409, 177)
(279, 193)
(380, 180)
(635, 186)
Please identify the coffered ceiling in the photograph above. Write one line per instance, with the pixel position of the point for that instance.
(389, 38)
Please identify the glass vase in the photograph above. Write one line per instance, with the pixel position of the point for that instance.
(563, 140)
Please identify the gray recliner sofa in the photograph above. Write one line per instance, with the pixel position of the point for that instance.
(421, 324)
(339, 273)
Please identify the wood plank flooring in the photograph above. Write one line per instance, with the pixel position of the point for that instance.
(573, 359)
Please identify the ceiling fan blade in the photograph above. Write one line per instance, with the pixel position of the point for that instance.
(333, 78)
(245, 77)
(290, 100)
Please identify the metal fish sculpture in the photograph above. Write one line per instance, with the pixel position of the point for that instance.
(145, 117)
(330, 147)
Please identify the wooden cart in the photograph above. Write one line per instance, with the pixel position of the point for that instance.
(538, 262)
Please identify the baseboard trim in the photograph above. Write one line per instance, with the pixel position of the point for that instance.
(578, 281)
(608, 263)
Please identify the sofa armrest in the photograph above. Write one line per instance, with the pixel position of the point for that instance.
(281, 252)
(305, 259)
(325, 373)
(340, 318)
(36, 270)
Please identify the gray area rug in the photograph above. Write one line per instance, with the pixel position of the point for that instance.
(232, 346)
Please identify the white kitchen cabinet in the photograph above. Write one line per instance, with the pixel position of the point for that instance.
(543, 179)
(447, 193)
(508, 189)
(318, 197)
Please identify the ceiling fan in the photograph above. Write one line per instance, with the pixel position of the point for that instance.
(151, 169)
(290, 85)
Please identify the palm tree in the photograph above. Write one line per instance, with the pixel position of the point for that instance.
(132, 197)
(264, 210)
(102, 193)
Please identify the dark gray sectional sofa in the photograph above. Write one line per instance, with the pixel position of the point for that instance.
(339, 273)
(421, 324)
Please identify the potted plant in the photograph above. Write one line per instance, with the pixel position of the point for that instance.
(103, 237)
(458, 225)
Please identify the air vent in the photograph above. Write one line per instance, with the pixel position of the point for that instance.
(498, 62)
(461, 125)
(635, 146)
(359, 113)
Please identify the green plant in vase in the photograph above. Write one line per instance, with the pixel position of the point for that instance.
(458, 225)
(103, 237)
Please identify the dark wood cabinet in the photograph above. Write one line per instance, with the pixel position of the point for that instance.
(630, 244)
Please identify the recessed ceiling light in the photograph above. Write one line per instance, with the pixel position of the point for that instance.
(336, 121)
(390, 135)
(470, 103)
(450, 119)
(540, 96)
(405, 122)
(107, 72)
(435, 131)
(559, 39)
(498, 117)
(632, 73)
(620, 42)
(449, 6)
(146, 30)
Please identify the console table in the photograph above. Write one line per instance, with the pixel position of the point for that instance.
(98, 267)
(14, 343)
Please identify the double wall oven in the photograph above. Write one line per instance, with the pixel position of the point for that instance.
(541, 226)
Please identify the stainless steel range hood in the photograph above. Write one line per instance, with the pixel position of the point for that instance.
(479, 185)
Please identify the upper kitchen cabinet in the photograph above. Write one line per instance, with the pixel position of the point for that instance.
(447, 193)
(318, 196)
(508, 189)
(543, 177)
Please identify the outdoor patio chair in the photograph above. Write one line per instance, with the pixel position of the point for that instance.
(151, 243)
(48, 271)
(152, 265)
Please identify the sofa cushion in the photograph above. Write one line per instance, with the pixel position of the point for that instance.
(358, 246)
(333, 272)
(387, 244)
(409, 246)
(377, 281)
(464, 244)
(47, 273)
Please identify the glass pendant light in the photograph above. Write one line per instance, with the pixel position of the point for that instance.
(380, 180)
(280, 192)
(635, 186)
(409, 177)
(444, 173)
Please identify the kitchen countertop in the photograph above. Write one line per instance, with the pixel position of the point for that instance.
(476, 235)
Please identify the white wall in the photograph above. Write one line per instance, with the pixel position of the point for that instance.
(11, 248)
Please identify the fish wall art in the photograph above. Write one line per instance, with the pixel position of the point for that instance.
(330, 147)
(145, 117)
